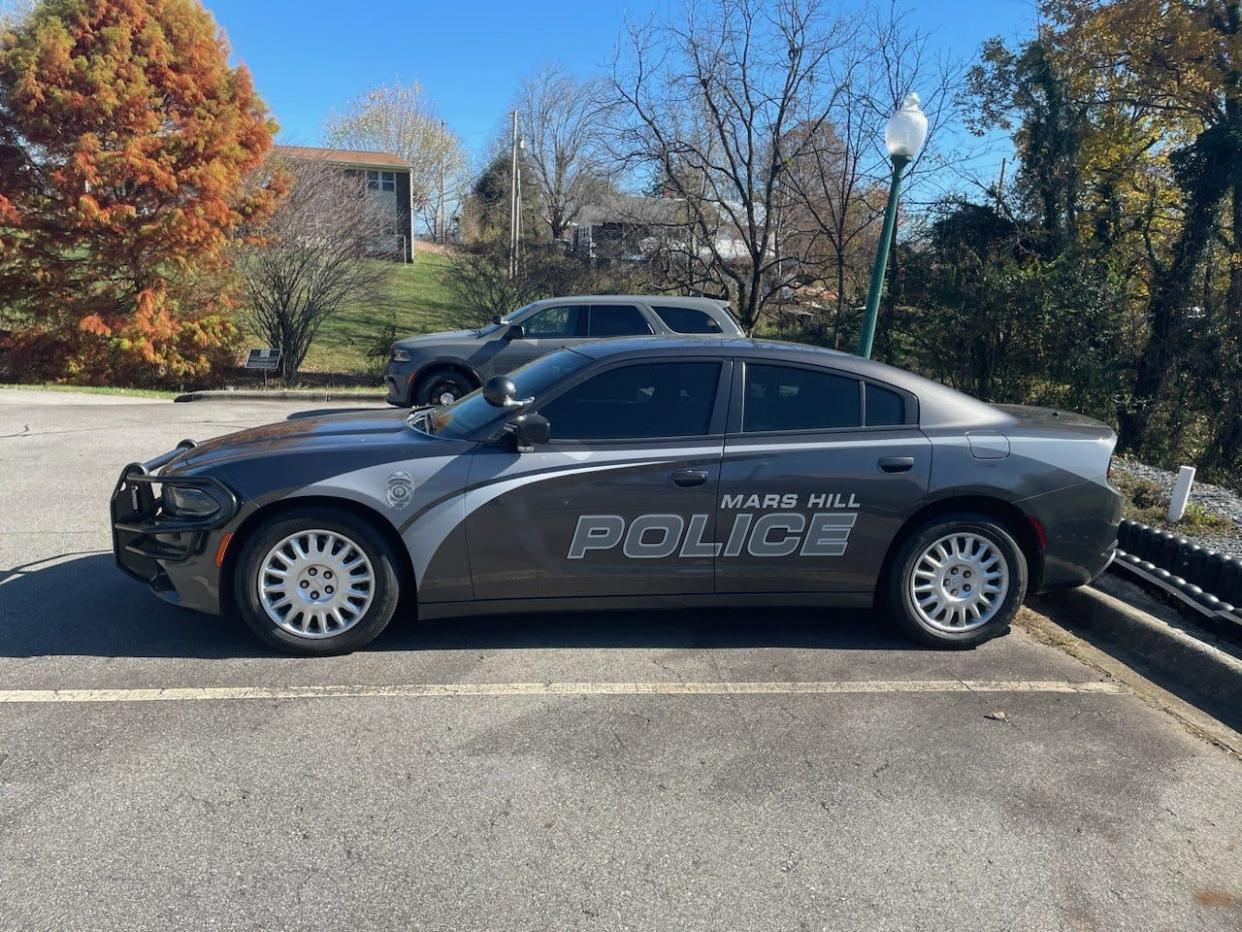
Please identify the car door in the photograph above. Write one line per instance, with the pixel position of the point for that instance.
(820, 470)
(621, 502)
(547, 329)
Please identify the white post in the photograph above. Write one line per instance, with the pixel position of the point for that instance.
(1181, 493)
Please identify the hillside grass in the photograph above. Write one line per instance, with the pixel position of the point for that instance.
(419, 301)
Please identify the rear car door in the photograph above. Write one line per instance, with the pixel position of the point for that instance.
(547, 329)
(820, 470)
(621, 502)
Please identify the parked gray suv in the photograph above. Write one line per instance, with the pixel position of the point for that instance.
(439, 368)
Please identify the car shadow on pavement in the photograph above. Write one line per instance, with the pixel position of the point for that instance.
(81, 604)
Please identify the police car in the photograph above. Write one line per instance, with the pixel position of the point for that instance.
(632, 473)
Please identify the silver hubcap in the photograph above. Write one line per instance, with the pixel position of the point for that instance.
(959, 583)
(446, 397)
(316, 584)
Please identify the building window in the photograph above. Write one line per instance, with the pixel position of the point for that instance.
(381, 181)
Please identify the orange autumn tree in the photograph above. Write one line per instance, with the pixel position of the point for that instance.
(125, 141)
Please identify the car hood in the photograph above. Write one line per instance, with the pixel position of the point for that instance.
(362, 429)
(433, 340)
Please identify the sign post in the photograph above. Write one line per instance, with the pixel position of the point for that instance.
(267, 360)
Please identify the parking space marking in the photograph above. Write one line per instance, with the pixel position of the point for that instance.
(496, 690)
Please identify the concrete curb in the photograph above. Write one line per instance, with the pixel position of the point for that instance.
(1121, 619)
(296, 394)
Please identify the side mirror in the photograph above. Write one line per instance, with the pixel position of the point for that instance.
(530, 431)
(516, 332)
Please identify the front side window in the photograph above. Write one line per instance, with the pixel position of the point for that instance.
(556, 322)
(617, 320)
(789, 398)
(688, 320)
(639, 402)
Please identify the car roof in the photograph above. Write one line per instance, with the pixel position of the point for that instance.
(716, 304)
(939, 405)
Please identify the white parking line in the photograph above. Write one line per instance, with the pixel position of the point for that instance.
(491, 690)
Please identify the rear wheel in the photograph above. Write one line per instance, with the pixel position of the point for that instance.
(442, 387)
(315, 581)
(957, 581)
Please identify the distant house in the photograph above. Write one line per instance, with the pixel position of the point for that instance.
(628, 228)
(381, 176)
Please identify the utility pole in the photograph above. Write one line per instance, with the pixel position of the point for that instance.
(513, 201)
(440, 231)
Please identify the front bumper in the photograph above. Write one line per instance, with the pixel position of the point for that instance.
(154, 547)
(399, 383)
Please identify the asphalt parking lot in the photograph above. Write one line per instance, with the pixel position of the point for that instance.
(743, 770)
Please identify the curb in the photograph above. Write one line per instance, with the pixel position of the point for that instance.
(1123, 620)
(297, 394)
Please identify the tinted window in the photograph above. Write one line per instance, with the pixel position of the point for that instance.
(617, 320)
(670, 399)
(784, 398)
(552, 322)
(687, 320)
(884, 407)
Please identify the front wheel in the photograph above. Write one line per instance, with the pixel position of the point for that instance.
(957, 581)
(317, 581)
(442, 387)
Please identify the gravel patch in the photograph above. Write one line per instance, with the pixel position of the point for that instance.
(1214, 498)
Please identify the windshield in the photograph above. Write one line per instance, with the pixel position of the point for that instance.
(471, 412)
(508, 318)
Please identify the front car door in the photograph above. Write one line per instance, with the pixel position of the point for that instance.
(621, 502)
(820, 470)
(545, 330)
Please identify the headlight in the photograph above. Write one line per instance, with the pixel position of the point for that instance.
(181, 501)
(400, 355)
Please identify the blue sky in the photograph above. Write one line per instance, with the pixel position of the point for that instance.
(310, 56)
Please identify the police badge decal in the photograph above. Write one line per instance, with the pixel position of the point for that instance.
(400, 489)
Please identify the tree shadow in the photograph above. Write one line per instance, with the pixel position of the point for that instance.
(81, 604)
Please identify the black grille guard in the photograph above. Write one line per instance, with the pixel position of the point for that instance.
(141, 537)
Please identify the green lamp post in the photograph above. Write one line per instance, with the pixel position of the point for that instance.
(904, 136)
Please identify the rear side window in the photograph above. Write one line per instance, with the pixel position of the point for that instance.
(645, 401)
(552, 322)
(788, 398)
(687, 320)
(884, 407)
(617, 320)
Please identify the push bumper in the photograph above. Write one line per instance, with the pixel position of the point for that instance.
(152, 546)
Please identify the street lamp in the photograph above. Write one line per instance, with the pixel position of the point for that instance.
(903, 136)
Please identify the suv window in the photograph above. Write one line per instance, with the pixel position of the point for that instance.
(566, 321)
(788, 398)
(687, 320)
(644, 401)
(617, 320)
(884, 407)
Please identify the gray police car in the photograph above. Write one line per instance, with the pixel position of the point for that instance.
(632, 474)
(438, 368)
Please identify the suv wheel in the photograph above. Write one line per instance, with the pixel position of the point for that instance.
(957, 581)
(442, 387)
(317, 581)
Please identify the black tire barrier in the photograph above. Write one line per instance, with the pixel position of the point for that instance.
(1212, 580)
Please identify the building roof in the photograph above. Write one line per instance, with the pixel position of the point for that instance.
(355, 157)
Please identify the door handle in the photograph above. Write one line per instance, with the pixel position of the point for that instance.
(896, 463)
(688, 478)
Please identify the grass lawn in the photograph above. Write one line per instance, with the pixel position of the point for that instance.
(93, 389)
(419, 302)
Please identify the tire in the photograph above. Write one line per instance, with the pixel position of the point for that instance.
(436, 385)
(361, 613)
(949, 610)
